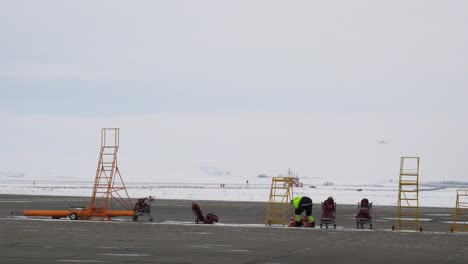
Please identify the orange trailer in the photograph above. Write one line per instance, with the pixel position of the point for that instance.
(85, 214)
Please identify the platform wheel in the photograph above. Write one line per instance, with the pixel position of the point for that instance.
(151, 219)
(73, 216)
(326, 226)
(370, 226)
(135, 218)
(420, 229)
(393, 228)
(321, 226)
(334, 226)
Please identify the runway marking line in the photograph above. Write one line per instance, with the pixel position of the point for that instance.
(108, 247)
(198, 233)
(210, 246)
(13, 201)
(125, 255)
(25, 218)
(410, 219)
(83, 260)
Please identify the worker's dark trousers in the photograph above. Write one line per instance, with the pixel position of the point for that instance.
(304, 205)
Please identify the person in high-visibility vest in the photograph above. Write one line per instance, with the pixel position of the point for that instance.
(301, 204)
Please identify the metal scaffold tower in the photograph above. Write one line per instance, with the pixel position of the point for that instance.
(407, 215)
(109, 189)
(109, 198)
(279, 205)
(460, 217)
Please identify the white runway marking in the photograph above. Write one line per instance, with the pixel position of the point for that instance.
(125, 255)
(439, 214)
(198, 233)
(13, 201)
(217, 245)
(409, 219)
(83, 260)
(458, 222)
(210, 246)
(108, 247)
(309, 229)
(237, 250)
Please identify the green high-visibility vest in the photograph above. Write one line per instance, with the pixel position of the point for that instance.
(296, 201)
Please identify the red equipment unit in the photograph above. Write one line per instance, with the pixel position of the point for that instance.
(328, 213)
(364, 215)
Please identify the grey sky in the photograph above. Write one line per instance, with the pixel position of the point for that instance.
(153, 56)
(226, 83)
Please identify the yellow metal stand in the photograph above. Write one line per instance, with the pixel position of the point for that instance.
(460, 218)
(279, 204)
(407, 216)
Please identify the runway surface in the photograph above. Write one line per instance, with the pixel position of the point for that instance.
(241, 237)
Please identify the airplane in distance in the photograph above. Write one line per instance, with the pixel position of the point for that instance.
(383, 142)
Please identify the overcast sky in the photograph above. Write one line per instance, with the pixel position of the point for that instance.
(240, 78)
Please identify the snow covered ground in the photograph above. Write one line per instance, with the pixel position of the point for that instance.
(254, 189)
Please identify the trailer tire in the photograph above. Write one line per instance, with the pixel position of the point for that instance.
(73, 216)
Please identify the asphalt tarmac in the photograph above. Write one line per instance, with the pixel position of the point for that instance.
(240, 237)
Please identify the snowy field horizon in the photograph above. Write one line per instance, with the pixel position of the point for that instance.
(249, 189)
(189, 155)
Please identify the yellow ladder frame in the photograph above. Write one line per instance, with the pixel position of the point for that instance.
(460, 217)
(279, 203)
(407, 215)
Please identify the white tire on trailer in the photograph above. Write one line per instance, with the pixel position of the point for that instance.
(73, 216)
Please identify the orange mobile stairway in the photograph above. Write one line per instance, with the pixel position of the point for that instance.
(109, 192)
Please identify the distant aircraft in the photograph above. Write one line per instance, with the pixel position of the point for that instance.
(383, 142)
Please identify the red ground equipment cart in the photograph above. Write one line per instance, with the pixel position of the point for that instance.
(364, 215)
(209, 218)
(143, 208)
(328, 213)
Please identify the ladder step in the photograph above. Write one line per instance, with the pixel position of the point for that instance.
(409, 174)
(409, 183)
